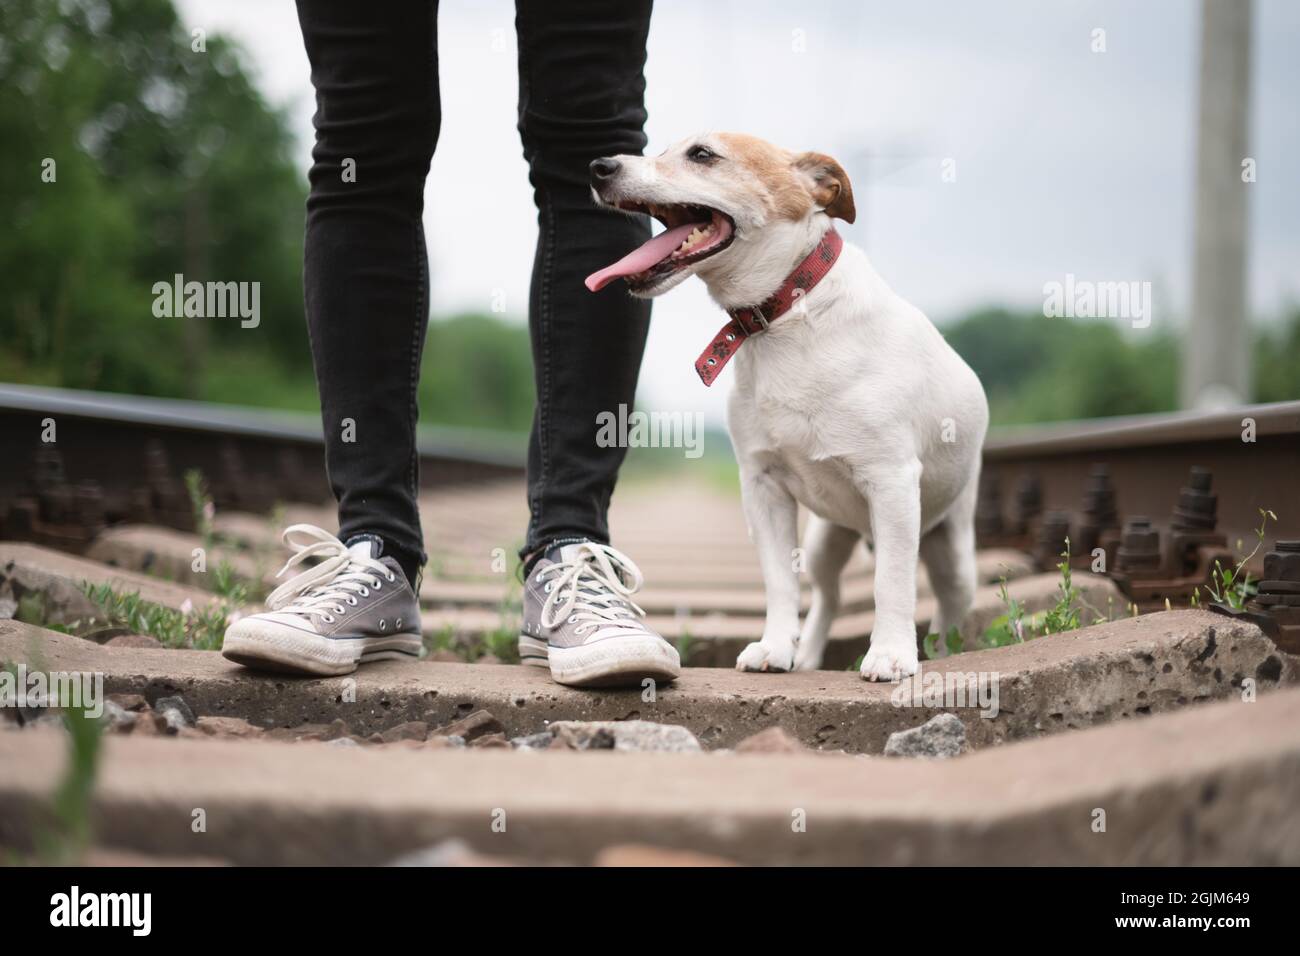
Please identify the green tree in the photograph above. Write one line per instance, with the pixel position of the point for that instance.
(1277, 362)
(1036, 369)
(130, 157)
(477, 372)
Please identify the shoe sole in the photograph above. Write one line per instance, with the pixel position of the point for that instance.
(616, 662)
(286, 651)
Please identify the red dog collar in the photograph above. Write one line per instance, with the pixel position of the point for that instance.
(752, 320)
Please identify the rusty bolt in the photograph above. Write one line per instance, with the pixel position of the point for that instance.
(1281, 584)
(1099, 499)
(1198, 506)
(157, 468)
(1029, 497)
(47, 468)
(1027, 504)
(988, 511)
(90, 504)
(1139, 548)
(1053, 532)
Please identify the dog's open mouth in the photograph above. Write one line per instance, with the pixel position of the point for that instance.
(694, 233)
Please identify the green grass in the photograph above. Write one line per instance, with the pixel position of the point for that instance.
(1016, 626)
(502, 642)
(1233, 586)
(202, 507)
(685, 646)
(198, 628)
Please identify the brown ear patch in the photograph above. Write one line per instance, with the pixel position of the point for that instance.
(831, 188)
(770, 165)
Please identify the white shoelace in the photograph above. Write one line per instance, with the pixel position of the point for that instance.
(591, 589)
(322, 590)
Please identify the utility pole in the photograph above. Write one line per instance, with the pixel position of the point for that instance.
(1216, 353)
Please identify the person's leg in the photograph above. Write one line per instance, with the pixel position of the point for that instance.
(375, 70)
(365, 277)
(581, 96)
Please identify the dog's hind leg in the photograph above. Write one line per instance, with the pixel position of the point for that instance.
(948, 551)
(828, 547)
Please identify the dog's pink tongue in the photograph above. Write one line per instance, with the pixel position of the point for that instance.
(641, 258)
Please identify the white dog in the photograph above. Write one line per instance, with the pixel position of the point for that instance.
(847, 399)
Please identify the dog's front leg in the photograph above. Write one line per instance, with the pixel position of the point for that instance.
(772, 514)
(894, 498)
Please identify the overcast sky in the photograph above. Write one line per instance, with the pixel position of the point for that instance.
(1066, 160)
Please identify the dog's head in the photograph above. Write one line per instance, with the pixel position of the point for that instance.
(733, 205)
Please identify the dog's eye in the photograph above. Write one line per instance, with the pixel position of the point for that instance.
(701, 154)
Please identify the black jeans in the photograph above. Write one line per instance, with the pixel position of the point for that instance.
(581, 95)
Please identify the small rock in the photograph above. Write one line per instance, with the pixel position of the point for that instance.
(533, 741)
(339, 728)
(478, 724)
(133, 640)
(773, 740)
(488, 659)
(375, 739)
(146, 725)
(177, 704)
(169, 721)
(491, 740)
(131, 702)
(943, 735)
(117, 717)
(627, 735)
(227, 727)
(581, 735)
(411, 730)
(344, 742)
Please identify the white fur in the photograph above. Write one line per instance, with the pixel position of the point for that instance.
(843, 406)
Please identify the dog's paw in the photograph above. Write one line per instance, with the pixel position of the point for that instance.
(889, 661)
(764, 657)
(807, 657)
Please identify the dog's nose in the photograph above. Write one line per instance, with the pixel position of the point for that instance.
(603, 170)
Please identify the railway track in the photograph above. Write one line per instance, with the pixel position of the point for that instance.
(1147, 505)
(77, 462)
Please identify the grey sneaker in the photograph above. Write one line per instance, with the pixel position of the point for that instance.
(579, 620)
(348, 609)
